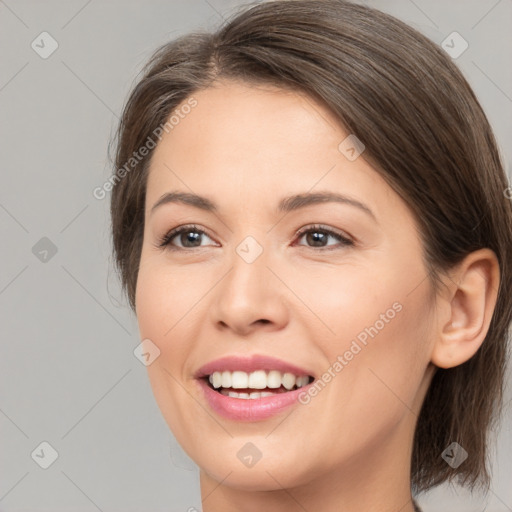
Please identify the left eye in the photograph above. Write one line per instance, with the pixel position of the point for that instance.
(190, 235)
(318, 235)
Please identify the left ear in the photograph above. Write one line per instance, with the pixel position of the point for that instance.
(465, 315)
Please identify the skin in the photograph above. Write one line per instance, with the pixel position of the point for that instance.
(349, 448)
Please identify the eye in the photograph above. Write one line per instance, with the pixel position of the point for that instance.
(193, 235)
(319, 235)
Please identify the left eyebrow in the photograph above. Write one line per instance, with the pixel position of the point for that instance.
(297, 201)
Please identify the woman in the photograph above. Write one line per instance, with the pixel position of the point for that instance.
(309, 219)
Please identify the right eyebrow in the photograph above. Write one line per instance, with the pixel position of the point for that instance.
(186, 198)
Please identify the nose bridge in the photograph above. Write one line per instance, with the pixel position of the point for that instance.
(250, 250)
(249, 292)
(249, 272)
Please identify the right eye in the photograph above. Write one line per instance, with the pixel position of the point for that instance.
(166, 241)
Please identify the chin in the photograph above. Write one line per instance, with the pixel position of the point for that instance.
(270, 475)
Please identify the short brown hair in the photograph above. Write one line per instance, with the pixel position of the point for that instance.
(425, 133)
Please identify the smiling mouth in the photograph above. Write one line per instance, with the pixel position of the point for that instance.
(258, 384)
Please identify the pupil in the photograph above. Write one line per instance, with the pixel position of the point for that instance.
(316, 236)
(191, 237)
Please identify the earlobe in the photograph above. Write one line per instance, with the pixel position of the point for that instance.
(467, 310)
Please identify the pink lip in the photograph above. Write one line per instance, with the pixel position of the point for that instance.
(250, 409)
(249, 364)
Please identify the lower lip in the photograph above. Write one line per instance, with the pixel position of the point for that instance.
(250, 409)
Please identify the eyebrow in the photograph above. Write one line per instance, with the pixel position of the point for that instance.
(286, 204)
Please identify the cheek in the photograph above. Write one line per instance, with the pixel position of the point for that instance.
(382, 301)
(380, 326)
(373, 395)
(164, 314)
(165, 297)
(160, 304)
(384, 357)
(348, 299)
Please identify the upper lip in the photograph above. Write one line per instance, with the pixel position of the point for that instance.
(249, 364)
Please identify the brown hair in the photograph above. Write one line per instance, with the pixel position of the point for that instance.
(424, 131)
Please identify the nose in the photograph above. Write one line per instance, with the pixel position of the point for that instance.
(249, 297)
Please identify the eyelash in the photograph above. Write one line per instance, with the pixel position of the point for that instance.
(165, 241)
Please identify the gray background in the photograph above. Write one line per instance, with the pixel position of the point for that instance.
(68, 375)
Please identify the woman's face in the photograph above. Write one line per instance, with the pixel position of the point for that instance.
(352, 312)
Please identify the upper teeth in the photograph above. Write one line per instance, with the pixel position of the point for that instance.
(259, 379)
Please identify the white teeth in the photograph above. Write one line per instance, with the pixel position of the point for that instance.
(255, 394)
(288, 380)
(259, 379)
(216, 380)
(239, 380)
(274, 379)
(225, 380)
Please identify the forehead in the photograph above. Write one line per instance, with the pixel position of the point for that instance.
(254, 143)
(238, 123)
